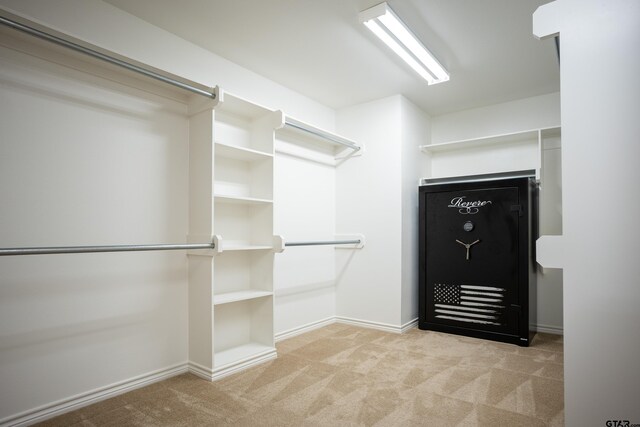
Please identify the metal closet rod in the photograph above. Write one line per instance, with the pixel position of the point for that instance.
(112, 248)
(139, 248)
(87, 51)
(320, 243)
(140, 70)
(317, 132)
(162, 247)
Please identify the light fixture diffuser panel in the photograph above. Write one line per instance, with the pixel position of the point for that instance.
(387, 26)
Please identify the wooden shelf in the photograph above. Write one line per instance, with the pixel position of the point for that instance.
(239, 353)
(555, 132)
(240, 200)
(240, 153)
(232, 104)
(299, 139)
(228, 297)
(246, 248)
(507, 138)
(312, 132)
(515, 151)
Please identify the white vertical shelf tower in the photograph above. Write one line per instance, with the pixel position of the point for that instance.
(231, 152)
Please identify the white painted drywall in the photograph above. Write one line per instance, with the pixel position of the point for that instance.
(415, 131)
(515, 116)
(304, 277)
(600, 153)
(86, 161)
(369, 201)
(376, 195)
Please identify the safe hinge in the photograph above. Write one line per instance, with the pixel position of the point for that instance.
(517, 208)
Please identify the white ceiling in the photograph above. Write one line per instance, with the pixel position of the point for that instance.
(320, 49)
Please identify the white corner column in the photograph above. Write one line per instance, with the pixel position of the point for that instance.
(600, 106)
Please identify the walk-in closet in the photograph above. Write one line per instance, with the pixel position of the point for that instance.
(318, 213)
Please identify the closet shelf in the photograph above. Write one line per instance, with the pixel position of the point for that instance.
(244, 154)
(239, 353)
(506, 138)
(240, 200)
(319, 134)
(234, 105)
(299, 139)
(228, 297)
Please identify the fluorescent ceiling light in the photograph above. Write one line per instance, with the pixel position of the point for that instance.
(385, 24)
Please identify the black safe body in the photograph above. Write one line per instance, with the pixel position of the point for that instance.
(492, 294)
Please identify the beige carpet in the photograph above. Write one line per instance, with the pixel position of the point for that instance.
(342, 375)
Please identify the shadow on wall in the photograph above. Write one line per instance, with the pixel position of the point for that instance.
(65, 338)
(341, 270)
(307, 287)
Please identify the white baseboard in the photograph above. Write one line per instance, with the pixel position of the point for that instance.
(243, 364)
(54, 409)
(547, 329)
(348, 321)
(409, 325)
(231, 368)
(200, 371)
(305, 328)
(375, 325)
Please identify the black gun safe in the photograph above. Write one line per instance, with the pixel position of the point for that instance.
(477, 258)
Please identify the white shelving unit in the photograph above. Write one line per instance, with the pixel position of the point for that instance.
(491, 154)
(231, 177)
(231, 196)
(241, 200)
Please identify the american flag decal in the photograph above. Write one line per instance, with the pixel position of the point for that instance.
(469, 303)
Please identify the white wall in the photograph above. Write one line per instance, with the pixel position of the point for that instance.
(416, 130)
(515, 116)
(304, 204)
(376, 195)
(600, 153)
(86, 161)
(368, 201)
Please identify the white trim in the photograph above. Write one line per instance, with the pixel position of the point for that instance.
(409, 325)
(231, 368)
(548, 329)
(243, 364)
(374, 325)
(72, 403)
(348, 321)
(305, 328)
(200, 371)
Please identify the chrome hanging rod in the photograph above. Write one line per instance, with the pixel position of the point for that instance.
(320, 133)
(87, 51)
(330, 242)
(112, 248)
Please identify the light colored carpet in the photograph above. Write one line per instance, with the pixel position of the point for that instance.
(343, 375)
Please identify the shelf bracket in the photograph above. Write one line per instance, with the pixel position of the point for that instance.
(278, 244)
